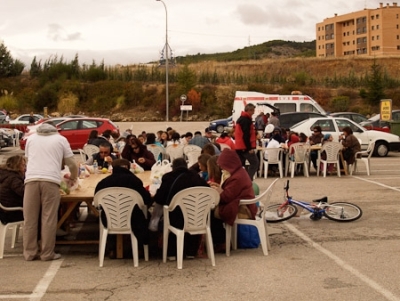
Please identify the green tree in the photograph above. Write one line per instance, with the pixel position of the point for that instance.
(186, 79)
(375, 86)
(8, 66)
(36, 68)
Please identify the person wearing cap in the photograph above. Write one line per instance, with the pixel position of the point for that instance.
(246, 140)
(209, 135)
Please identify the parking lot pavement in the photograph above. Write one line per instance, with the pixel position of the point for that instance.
(309, 260)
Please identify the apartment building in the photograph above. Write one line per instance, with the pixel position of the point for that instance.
(369, 32)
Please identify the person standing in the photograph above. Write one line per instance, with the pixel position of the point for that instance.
(260, 124)
(45, 151)
(274, 120)
(246, 139)
(7, 120)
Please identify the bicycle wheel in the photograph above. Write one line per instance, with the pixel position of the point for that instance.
(279, 213)
(342, 212)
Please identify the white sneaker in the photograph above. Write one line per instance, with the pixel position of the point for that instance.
(61, 232)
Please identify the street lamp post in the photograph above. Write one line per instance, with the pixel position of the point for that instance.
(166, 61)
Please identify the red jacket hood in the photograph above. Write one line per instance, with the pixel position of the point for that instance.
(229, 160)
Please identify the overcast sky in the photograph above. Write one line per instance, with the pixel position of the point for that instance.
(130, 32)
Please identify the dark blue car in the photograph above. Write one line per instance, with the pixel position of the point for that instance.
(219, 124)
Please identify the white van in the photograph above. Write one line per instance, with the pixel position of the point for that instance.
(284, 103)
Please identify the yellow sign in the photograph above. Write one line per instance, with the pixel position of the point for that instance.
(386, 109)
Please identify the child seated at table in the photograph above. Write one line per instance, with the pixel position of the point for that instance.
(327, 138)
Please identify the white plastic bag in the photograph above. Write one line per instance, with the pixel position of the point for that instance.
(136, 168)
(67, 185)
(159, 169)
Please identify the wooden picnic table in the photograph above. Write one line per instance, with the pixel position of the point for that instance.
(85, 193)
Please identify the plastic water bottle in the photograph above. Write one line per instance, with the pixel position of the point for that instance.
(82, 171)
(95, 166)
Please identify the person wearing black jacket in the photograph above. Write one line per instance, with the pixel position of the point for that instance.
(12, 176)
(178, 179)
(122, 177)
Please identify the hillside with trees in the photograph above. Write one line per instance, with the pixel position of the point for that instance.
(137, 92)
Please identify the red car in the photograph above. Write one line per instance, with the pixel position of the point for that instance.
(77, 130)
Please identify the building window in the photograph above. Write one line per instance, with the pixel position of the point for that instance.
(377, 27)
(373, 27)
(377, 17)
(397, 16)
(397, 26)
(372, 17)
(354, 42)
(344, 34)
(398, 47)
(398, 36)
(332, 36)
(377, 37)
(372, 38)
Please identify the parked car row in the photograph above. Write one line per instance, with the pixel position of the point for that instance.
(76, 130)
(384, 142)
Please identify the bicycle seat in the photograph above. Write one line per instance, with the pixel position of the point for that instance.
(321, 200)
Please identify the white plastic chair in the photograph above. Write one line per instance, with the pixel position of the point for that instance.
(190, 148)
(3, 229)
(260, 222)
(359, 156)
(156, 150)
(174, 151)
(196, 204)
(90, 149)
(118, 204)
(274, 157)
(82, 154)
(332, 156)
(300, 153)
(192, 157)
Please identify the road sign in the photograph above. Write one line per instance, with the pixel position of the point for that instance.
(386, 109)
(183, 98)
(186, 107)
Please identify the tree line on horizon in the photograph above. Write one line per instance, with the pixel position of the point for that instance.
(68, 86)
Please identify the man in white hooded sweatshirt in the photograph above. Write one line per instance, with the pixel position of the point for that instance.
(45, 151)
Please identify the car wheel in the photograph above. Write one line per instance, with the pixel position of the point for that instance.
(220, 128)
(381, 149)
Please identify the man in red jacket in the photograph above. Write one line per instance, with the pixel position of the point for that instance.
(246, 140)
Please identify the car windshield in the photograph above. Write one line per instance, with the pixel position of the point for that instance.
(299, 123)
(342, 123)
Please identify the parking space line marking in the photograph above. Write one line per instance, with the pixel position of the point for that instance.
(44, 283)
(371, 283)
(379, 184)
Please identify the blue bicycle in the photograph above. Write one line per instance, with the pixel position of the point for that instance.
(338, 211)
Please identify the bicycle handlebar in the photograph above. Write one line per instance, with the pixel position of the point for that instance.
(287, 186)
